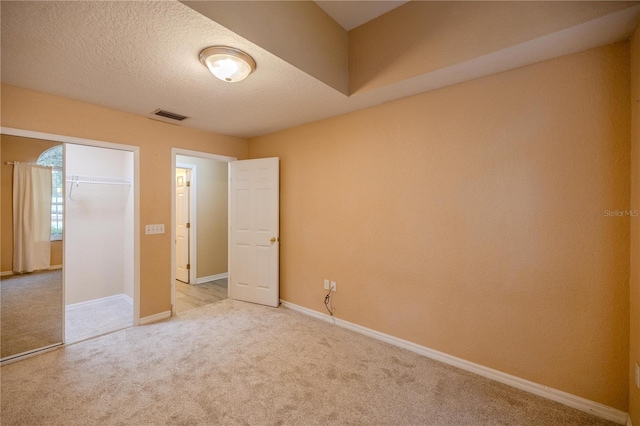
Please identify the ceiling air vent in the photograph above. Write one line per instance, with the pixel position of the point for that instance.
(169, 115)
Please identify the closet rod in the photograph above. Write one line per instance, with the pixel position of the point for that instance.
(75, 180)
(97, 182)
(105, 180)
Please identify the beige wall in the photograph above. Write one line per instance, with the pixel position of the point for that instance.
(26, 150)
(25, 109)
(634, 392)
(471, 220)
(212, 212)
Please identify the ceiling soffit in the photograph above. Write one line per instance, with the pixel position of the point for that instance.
(417, 38)
(421, 37)
(352, 14)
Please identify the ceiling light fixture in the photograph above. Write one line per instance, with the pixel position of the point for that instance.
(227, 64)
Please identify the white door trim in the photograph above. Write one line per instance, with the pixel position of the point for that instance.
(187, 152)
(136, 200)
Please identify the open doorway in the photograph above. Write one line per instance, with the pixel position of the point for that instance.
(199, 229)
(98, 241)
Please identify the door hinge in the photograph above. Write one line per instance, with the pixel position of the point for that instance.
(188, 266)
(188, 183)
(188, 225)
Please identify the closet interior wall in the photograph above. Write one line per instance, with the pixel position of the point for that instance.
(98, 225)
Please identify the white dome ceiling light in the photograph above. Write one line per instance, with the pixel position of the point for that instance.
(227, 63)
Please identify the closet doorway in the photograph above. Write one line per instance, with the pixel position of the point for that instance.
(98, 243)
(98, 185)
(203, 278)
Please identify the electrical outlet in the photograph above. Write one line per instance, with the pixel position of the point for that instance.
(333, 286)
(326, 284)
(154, 229)
(637, 375)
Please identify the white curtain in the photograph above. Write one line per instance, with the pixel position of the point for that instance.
(31, 217)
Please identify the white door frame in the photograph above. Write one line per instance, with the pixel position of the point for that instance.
(198, 154)
(192, 218)
(136, 202)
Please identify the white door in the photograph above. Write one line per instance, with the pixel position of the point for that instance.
(254, 244)
(182, 224)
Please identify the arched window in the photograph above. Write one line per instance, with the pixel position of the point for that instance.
(52, 157)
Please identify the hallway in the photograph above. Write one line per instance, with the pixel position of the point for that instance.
(194, 296)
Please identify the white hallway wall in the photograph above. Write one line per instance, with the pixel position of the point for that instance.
(98, 237)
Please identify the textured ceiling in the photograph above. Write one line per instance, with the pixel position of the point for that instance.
(141, 56)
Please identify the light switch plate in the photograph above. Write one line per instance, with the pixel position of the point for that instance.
(154, 229)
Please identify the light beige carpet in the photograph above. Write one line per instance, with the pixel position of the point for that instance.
(97, 318)
(30, 312)
(234, 363)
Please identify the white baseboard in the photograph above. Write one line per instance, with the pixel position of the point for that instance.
(155, 317)
(210, 278)
(124, 297)
(577, 402)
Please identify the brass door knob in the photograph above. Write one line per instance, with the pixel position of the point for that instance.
(273, 240)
